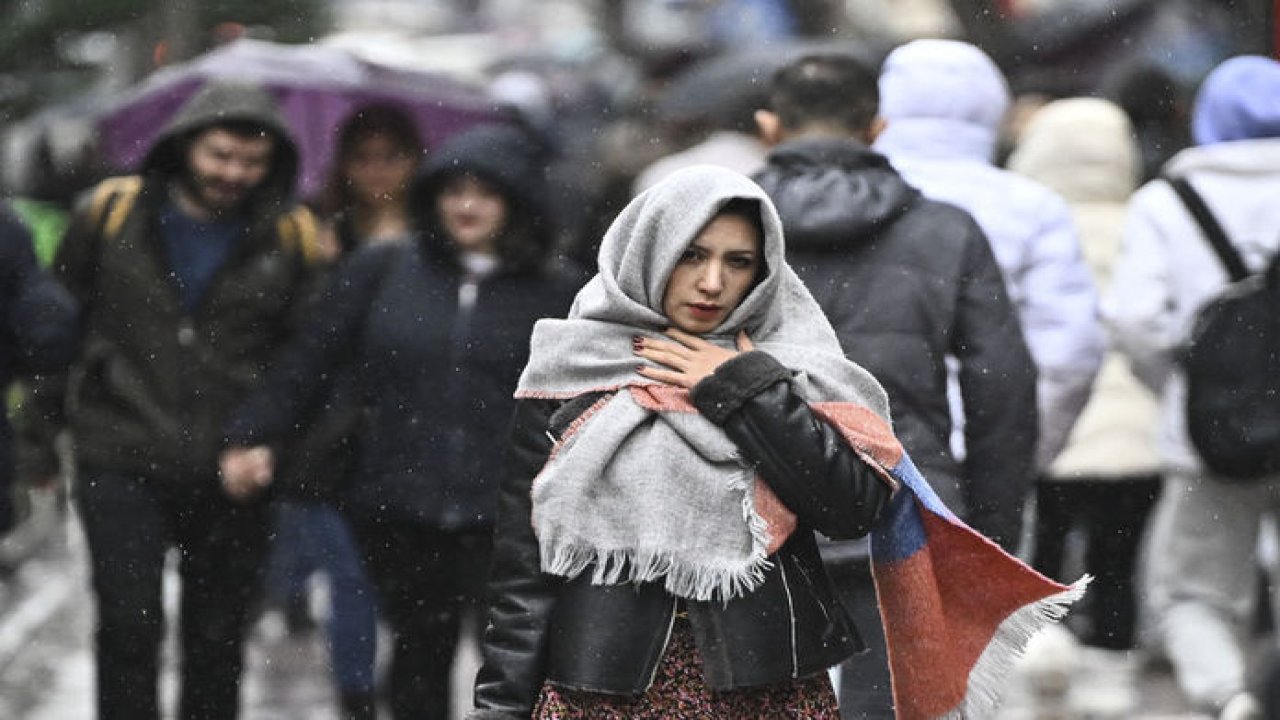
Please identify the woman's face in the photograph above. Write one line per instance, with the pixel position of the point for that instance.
(377, 170)
(473, 213)
(714, 274)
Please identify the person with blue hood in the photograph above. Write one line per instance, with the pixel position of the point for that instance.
(437, 330)
(1202, 578)
(944, 103)
(190, 275)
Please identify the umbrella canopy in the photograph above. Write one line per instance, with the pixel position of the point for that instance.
(724, 88)
(317, 87)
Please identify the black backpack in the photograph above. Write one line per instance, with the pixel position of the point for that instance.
(1232, 362)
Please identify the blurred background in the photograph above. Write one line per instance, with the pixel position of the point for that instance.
(577, 66)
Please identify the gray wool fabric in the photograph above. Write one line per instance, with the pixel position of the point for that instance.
(634, 494)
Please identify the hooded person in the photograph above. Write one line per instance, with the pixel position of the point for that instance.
(944, 103)
(655, 555)
(910, 285)
(1202, 583)
(190, 276)
(436, 330)
(1105, 482)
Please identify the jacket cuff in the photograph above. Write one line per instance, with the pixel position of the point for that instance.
(734, 383)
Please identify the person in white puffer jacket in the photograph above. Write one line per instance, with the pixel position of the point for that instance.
(1203, 568)
(1106, 480)
(944, 102)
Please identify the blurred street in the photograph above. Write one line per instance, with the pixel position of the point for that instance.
(46, 661)
(46, 667)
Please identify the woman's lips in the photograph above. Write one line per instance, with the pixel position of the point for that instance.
(704, 312)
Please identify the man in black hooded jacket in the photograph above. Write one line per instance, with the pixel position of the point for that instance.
(908, 284)
(190, 275)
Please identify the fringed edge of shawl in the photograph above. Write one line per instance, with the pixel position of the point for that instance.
(990, 674)
(620, 566)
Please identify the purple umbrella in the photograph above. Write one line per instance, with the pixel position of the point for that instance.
(317, 88)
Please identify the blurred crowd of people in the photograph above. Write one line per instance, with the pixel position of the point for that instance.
(280, 386)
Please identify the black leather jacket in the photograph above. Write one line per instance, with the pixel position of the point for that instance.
(610, 638)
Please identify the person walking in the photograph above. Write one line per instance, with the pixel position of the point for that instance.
(190, 276)
(1202, 580)
(437, 330)
(38, 332)
(379, 153)
(944, 102)
(656, 551)
(907, 282)
(1106, 480)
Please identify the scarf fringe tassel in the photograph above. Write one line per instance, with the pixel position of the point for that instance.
(990, 675)
(617, 567)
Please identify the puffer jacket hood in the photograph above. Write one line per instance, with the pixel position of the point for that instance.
(1097, 165)
(218, 102)
(503, 155)
(832, 193)
(942, 98)
(1240, 100)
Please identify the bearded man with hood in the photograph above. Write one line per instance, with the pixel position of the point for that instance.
(907, 283)
(944, 103)
(190, 275)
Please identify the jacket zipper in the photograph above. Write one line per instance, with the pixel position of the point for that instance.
(791, 615)
(671, 625)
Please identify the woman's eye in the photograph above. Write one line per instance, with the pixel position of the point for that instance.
(688, 256)
(742, 263)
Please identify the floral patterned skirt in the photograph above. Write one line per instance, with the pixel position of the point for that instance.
(679, 692)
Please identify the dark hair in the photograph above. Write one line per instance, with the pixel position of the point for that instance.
(748, 209)
(825, 88)
(378, 119)
(375, 119)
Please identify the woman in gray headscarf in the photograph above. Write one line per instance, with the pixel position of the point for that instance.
(678, 439)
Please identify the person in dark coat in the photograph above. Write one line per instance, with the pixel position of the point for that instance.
(190, 276)
(38, 329)
(655, 555)
(437, 330)
(908, 284)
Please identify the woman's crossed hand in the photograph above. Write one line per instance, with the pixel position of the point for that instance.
(686, 361)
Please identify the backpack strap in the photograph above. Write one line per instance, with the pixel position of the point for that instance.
(112, 200)
(1213, 231)
(297, 230)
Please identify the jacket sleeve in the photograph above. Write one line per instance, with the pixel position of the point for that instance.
(520, 594)
(1060, 317)
(805, 461)
(997, 379)
(1140, 308)
(299, 374)
(42, 416)
(41, 314)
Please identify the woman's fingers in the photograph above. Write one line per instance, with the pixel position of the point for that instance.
(744, 342)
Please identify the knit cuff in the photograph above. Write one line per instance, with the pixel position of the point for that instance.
(734, 383)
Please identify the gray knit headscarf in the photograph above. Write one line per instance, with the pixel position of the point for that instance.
(639, 489)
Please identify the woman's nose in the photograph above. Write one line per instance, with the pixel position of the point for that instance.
(710, 280)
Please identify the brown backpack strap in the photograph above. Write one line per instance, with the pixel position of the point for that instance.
(298, 231)
(112, 201)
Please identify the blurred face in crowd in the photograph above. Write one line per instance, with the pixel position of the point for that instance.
(225, 167)
(377, 170)
(714, 274)
(473, 213)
